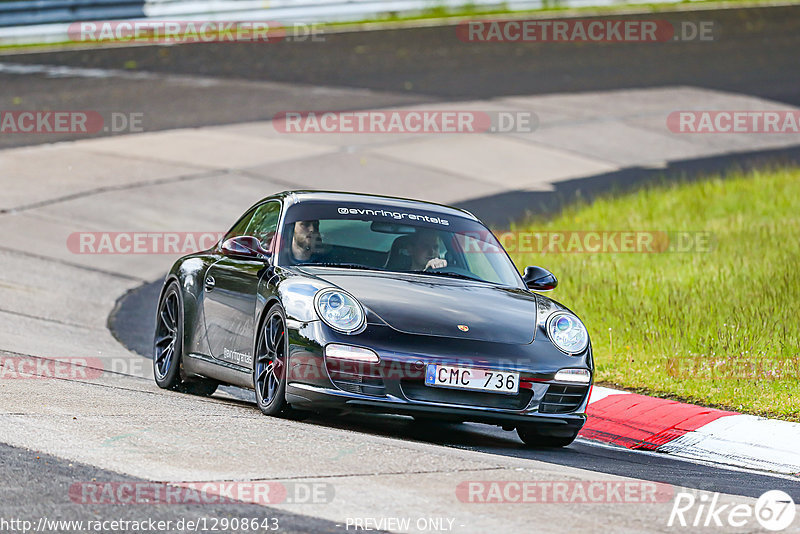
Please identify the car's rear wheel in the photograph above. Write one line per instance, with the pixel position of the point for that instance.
(533, 438)
(269, 371)
(168, 347)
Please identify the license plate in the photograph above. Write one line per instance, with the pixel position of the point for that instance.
(446, 376)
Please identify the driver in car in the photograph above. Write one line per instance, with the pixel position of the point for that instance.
(424, 251)
(306, 244)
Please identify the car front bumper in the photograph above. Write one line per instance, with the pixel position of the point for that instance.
(396, 385)
(303, 396)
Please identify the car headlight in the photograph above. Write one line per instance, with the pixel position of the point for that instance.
(567, 332)
(339, 310)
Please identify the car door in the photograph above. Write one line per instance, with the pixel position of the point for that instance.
(231, 288)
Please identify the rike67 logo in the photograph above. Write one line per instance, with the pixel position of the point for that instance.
(774, 511)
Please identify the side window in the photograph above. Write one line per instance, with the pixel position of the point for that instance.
(240, 227)
(264, 223)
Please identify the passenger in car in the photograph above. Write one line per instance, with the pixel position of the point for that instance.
(415, 252)
(424, 251)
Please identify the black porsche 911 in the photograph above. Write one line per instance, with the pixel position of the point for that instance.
(340, 302)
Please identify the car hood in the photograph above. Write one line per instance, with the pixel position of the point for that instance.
(436, 306)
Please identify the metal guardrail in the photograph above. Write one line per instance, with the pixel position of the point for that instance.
(22, 13)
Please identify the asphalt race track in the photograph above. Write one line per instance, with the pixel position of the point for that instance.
(118, 427)
(133, 324)
(40, 485)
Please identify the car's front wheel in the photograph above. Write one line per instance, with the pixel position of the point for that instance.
(269, 371)
(533, 438)
(168, 347)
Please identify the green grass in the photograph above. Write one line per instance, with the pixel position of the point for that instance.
(437, 14)
(552, 8)
(719, 327)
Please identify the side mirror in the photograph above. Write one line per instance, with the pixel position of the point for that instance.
(539, 279)
(245, 246)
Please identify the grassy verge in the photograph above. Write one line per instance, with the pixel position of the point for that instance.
(719, 325)
(443, 15)
(552, 8)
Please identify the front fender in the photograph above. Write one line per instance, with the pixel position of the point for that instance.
(296, 293)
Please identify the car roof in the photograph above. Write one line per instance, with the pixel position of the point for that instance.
(300, 196)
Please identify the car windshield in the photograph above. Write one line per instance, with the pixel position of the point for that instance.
(357, 236)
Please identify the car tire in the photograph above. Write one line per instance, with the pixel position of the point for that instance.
(168, 347)
(270, 363)
(534, 439)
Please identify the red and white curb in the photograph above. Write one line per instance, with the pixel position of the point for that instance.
(692, 432)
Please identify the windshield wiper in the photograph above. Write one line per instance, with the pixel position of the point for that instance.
(449, 274)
